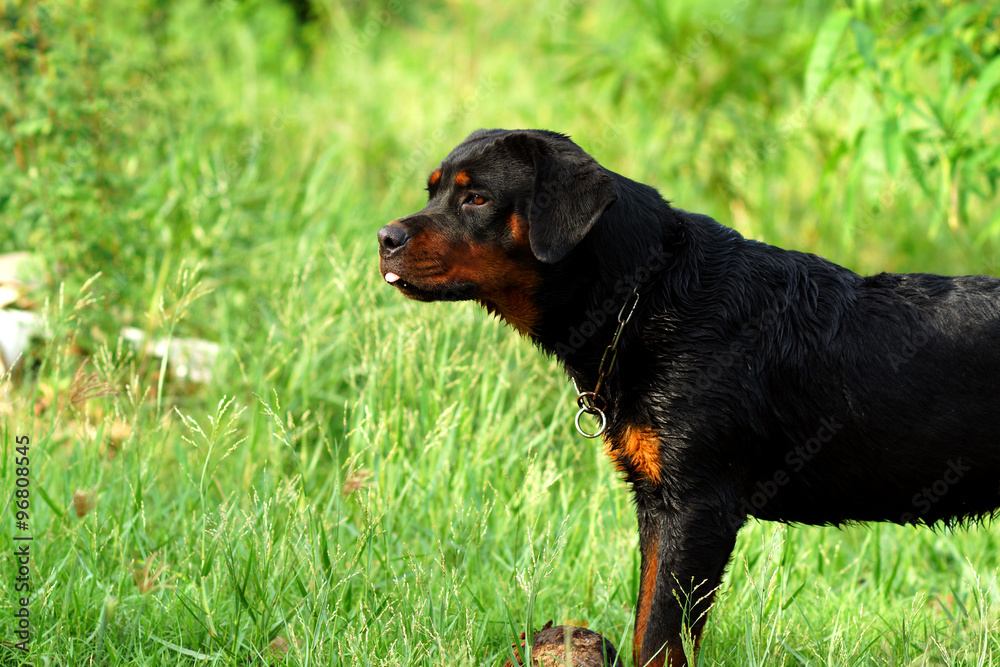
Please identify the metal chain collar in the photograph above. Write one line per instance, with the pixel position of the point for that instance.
(588, 400)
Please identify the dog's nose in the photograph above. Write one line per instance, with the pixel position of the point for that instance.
(392, 239)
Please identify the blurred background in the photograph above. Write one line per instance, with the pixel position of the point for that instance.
(247, 448)
(140, 134)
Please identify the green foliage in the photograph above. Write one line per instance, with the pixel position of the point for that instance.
(73, 116)
(889, 98)
(371, 481)
(927, 83)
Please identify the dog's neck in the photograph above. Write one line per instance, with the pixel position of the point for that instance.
(582, 315)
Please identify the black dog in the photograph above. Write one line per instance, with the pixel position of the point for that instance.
(738, 379)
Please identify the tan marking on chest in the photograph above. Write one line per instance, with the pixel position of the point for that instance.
(639, 446)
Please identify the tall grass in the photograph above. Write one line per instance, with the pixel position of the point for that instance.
(366, 480)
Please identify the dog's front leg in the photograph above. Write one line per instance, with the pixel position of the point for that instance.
(684, 553)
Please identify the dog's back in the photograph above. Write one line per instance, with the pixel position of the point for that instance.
(865, 398)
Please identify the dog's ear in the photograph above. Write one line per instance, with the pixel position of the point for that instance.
(569, 194)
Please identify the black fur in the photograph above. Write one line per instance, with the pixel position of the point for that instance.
(780, 385)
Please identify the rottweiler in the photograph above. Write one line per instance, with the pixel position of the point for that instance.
(729, 378)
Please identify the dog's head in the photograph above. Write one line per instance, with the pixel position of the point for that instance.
(502, 206)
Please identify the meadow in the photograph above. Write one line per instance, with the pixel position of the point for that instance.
(364, 480)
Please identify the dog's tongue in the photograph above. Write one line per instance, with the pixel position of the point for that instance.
(391, 278)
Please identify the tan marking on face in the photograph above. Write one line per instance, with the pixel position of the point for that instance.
(507, 283)
(462, 179)
(519, 230)
(507, 279)
(435, 177)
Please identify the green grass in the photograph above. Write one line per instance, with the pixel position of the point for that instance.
(389, 483)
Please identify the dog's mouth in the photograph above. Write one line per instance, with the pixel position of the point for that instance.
(458, 291)
(404, 286)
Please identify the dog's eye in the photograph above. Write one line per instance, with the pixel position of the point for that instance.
(475, 200)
